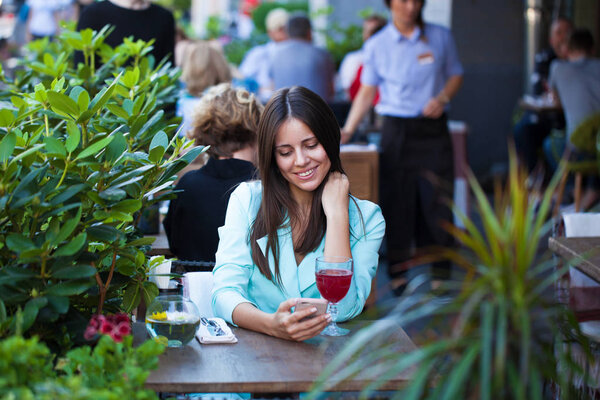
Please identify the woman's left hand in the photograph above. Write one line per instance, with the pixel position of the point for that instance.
(434, 108)
(335, 194)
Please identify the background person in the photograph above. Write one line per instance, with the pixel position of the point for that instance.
(138, 18)
(532, 128)
(226, 119)
(300, 209)
(352, 63)
(202, 66)
(256, 63)
(297, 61)
(42, 19)
(575, 83)
(416, 67)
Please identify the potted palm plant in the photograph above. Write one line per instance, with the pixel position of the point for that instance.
(500, 334)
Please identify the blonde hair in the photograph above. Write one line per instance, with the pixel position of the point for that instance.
(276, 19)
(226, 118)
(203, 66)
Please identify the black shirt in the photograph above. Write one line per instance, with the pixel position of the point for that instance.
(153, 22)
(194, 216)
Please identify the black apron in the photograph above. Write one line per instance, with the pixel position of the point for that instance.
(416, 183)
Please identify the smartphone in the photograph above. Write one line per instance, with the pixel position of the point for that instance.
(319, 304)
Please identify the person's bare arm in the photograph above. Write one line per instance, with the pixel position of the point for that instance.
(435, 106)
(335, 205)
(283, 323)
(360, 106)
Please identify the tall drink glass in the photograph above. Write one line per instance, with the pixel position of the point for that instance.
(334, 276)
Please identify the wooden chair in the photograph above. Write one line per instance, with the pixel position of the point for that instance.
(587, 138)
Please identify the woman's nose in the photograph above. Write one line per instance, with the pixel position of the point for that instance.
(301, 159)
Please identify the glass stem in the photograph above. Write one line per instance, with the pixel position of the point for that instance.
(333, 311)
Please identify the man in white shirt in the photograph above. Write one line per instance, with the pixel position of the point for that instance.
(256, 63)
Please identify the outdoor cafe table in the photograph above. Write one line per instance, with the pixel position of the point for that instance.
(586, 250)
(262, 364)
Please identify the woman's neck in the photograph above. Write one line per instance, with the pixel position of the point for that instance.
(246, 154)
(406, 29)
(132, 4)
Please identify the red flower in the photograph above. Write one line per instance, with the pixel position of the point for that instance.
(117, 338)
(90, 332)
(121, 317)
(122, 329)
(106, 327)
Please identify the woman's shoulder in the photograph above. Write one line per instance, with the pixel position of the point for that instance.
(250, 192)
(363, 211)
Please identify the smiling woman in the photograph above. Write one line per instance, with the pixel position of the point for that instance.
(301, 209)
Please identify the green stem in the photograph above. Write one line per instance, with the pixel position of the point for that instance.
(62, 178)
(84, 134)
(46, 123)
(43, 270)
(93, 63)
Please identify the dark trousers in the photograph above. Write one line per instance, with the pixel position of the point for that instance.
(416, 183)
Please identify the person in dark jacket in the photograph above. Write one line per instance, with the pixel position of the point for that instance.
(226, 119)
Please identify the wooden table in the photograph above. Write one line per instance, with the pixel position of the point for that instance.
(262, 364)
(583, 251)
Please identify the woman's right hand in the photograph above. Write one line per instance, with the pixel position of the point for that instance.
(286, 324)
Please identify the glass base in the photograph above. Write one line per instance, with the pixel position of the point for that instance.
(334, 330)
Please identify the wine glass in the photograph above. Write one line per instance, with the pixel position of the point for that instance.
(334, 276)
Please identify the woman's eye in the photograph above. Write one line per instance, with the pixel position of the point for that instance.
(312, 145)
(285, 154)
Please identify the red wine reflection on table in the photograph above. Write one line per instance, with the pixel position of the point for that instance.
(333, 284)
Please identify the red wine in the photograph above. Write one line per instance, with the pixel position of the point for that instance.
(333, 284)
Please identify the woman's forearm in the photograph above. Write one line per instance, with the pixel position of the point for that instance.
(247, 316)
(360, 106)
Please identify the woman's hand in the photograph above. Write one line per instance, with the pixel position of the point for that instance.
(434, 108)
(335, 195)
(289, 325)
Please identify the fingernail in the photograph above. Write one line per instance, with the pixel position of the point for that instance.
(328, 317)
(314, 309)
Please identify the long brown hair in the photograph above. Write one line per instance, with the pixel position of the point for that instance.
(304, 105)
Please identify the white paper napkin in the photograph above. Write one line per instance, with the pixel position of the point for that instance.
(159, 273)
(198, 287)
(205, 337)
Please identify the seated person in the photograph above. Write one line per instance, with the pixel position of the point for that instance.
(226, 119)
(202, 66)
(575, 83)
(301, 209)
(531, 130)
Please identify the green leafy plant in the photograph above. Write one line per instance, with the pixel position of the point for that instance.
(259, 14)
(83, 150)
(502, 336)
(110, 371)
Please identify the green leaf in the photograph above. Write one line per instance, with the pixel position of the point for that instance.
(27, 152)
(104, 233)
(67, 194)
(7, 117)
(7, 146)
(112, 194)
(69, 288)
(94, 148)
(132, 296)
(63, 105)
(71, 247)
(31, 311)
(55, 146)
(116, 148)
(75, 272)
(149, 291)
(68, 227)
(143, 241)
(2, 312)
(118, 111)
(104, 95)
(19, 243)
(59, 304)
(83, 100)
(74, 136)
(128, 206)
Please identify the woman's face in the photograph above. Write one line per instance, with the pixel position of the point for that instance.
(405, 11)
(301, 158)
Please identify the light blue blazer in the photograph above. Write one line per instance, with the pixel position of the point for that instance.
(238, 280)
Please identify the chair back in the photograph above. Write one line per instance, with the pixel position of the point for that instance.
(581, 225)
